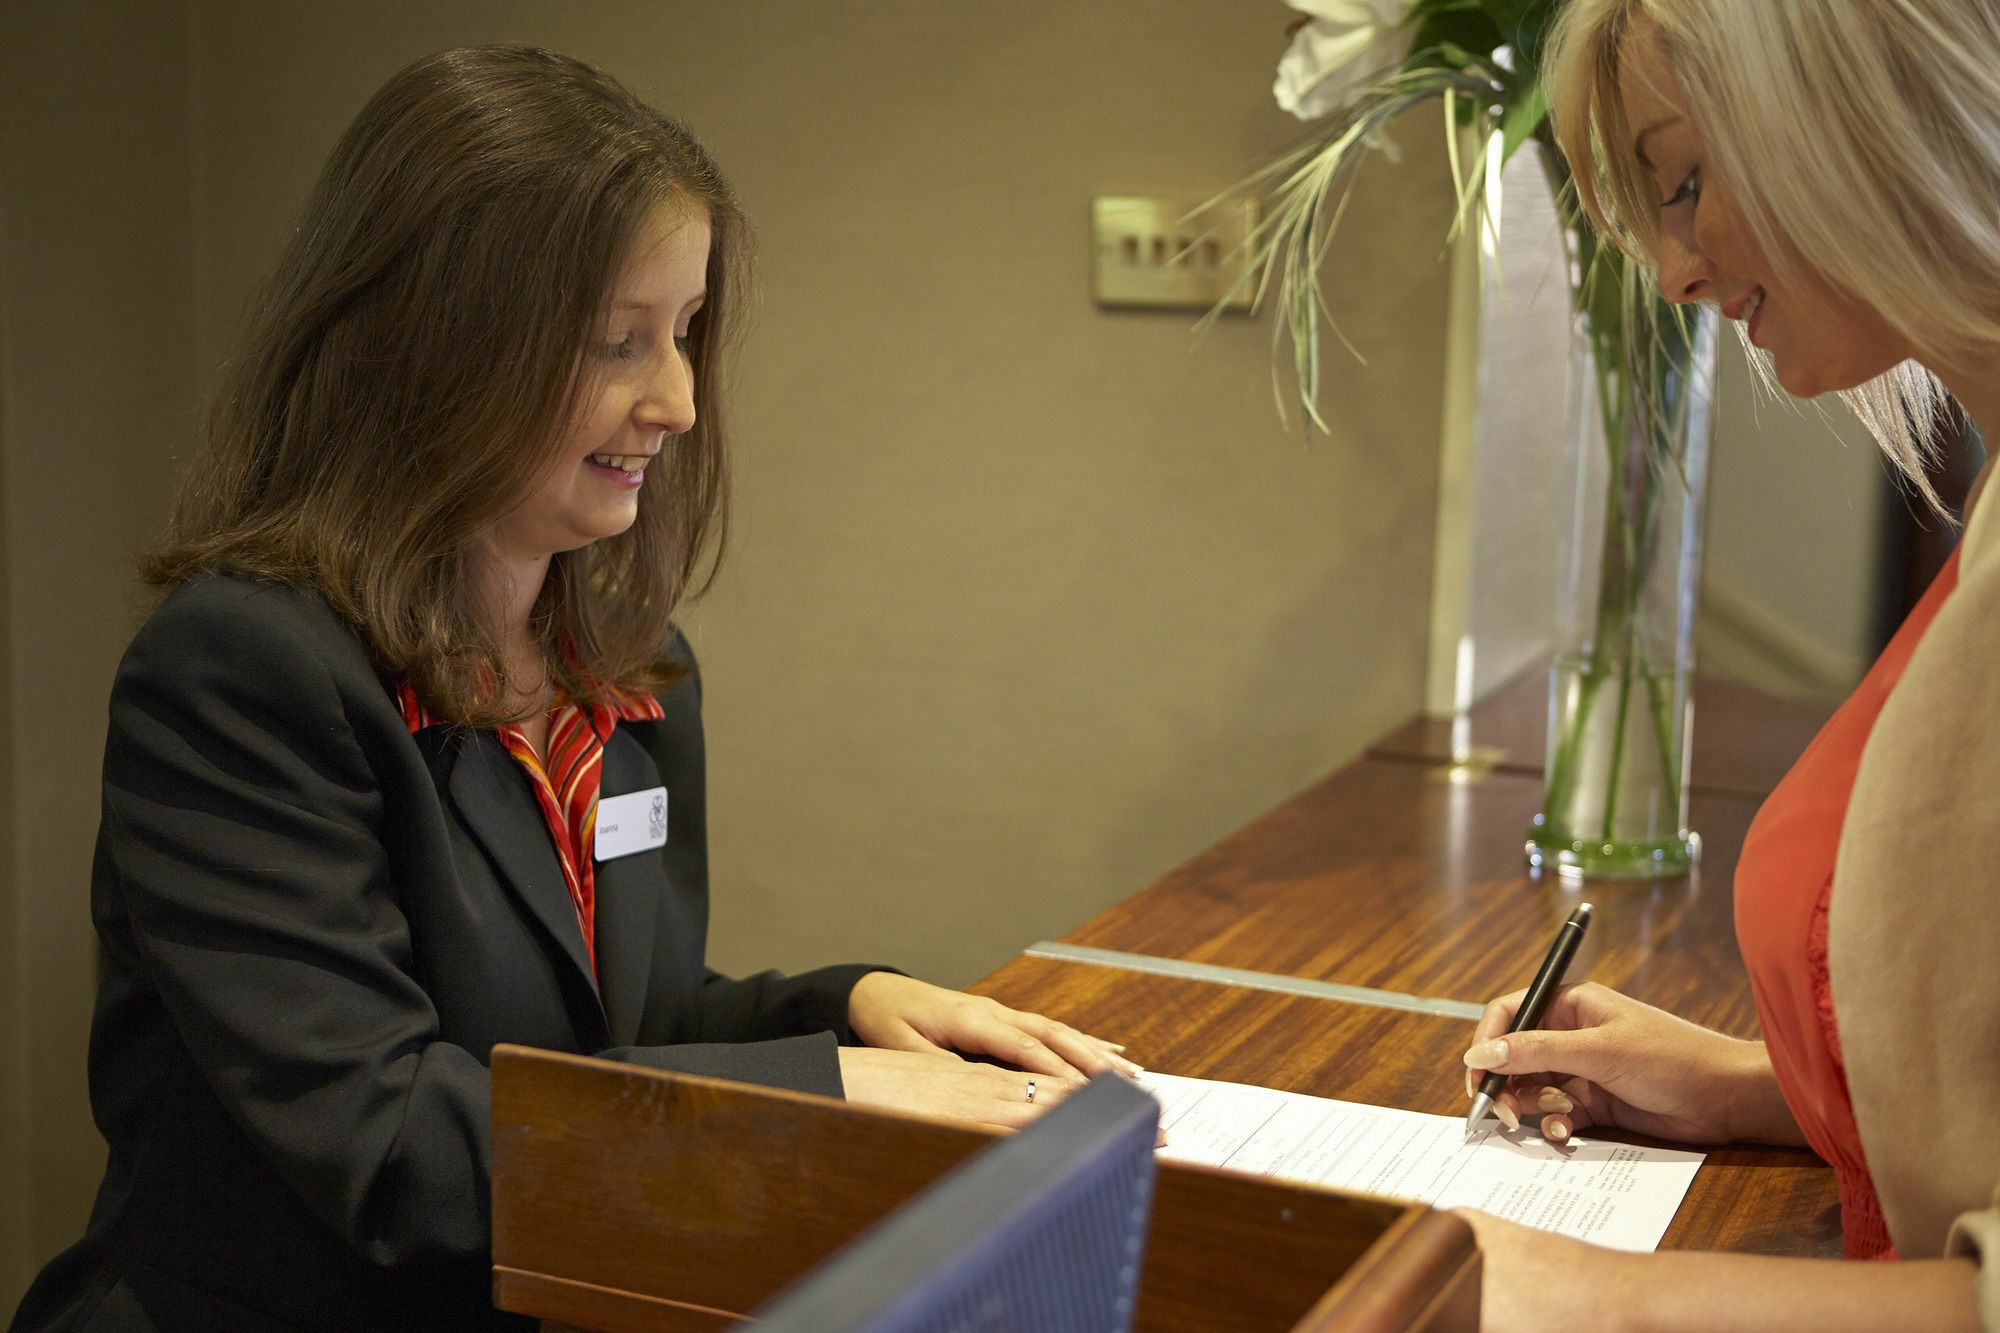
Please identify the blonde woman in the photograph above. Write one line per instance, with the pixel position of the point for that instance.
(1828, 174)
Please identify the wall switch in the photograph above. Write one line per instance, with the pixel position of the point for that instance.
(1158, 252)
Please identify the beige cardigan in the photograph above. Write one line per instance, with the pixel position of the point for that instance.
(1914, 932)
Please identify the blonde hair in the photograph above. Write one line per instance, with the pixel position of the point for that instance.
(1862, 142)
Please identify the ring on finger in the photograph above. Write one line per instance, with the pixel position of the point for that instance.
(1031, 1090)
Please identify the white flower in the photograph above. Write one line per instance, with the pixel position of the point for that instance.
(1346, 46)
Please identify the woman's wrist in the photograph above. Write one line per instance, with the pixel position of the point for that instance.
(1756, 1108)
(872, 1006)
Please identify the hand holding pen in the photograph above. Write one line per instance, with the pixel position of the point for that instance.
(1529, 1016)
(1599, 1058)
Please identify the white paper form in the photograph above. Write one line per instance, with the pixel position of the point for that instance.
(1611, 1194)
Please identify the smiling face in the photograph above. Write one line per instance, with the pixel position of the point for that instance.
(1819, 339)
(638, 391)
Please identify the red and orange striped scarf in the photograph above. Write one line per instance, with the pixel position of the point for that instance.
(566, 786)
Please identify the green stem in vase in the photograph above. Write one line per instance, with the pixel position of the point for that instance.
(1663, 730)
(1617, 772)
(1638, 350)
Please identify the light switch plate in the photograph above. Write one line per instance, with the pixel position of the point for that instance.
(1158, 252)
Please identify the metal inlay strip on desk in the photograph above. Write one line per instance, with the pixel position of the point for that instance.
(1237, 976)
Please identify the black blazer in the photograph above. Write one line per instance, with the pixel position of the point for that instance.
(315, 926)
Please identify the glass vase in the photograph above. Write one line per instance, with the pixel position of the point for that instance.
(1642, 384)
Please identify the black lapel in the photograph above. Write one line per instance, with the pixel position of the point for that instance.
(495, 801)
(628, 899)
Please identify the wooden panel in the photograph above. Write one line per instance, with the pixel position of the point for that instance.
(1758, 1200)
(1423, 1276)
(1383, 875)
(1227, 1251)
(626, 1199)
(627, 1180)
(1744, 740)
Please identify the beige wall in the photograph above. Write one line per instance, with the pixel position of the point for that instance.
(96, 393)
(1794, 539)
(1027, 602)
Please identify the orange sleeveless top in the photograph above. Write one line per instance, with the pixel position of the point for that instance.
(1784, 884)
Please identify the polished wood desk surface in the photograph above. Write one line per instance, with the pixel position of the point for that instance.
(1744, 740)
(1756, 1200)
(1389, 874)
(1386, 875)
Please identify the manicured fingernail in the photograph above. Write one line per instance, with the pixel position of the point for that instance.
(1555, 1129)
(1131, 1066)
(1487, 1054)
(1507, 1116)
(1553, 1101)
(1471, 1084)
(1112, 1046)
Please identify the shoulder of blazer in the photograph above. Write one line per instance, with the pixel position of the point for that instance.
(220, 614)
(676, 738)
(218, 625)
(681, 653)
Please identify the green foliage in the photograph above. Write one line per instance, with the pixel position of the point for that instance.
(1483, 57)
(1462, 37)
(1523, 118)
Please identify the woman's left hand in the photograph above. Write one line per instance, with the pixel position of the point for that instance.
(900, 1013)
(1529, 1277)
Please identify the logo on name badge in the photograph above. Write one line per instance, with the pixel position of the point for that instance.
(633, 823)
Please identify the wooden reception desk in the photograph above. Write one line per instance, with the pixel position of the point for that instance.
(1340, 945)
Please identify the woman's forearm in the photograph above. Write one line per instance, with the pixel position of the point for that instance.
(1682, 1290)
(1536, 1280)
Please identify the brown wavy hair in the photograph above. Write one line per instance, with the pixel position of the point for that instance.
(415, 359)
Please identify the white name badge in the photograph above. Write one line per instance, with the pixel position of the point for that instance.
(632, 823)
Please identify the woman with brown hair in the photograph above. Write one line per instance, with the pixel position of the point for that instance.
(409, 759)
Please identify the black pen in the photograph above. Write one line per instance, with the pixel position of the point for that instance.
(1540, 991)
